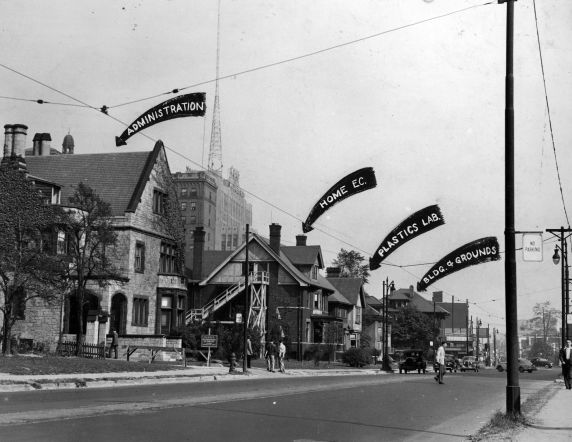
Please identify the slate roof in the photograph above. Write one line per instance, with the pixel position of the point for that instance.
(350, 288)
(373, 302)
(416, 300)
(303, 255)
(117, 178)
(338, 298)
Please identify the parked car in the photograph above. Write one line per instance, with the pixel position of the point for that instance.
(451, 363)
(523, 365)
(470, 363)
(541, 362)
(393, 364)
(412, 360)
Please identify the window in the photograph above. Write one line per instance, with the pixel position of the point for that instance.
(166, 307)
(159, 201)
(140, 312)
(184, 206)
(358, 315)
(62, 243)
(193, 219)
(318, 301)
(314, 274)
(139, 257)
(172, 312)
(184, 191)
(193, 191)
(180, 311)
(193, 205)
(19, 303)
(168, 259)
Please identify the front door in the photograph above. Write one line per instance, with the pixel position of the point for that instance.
(118, 319)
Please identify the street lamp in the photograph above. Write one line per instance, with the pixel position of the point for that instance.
(388, 287)
(563, 249)
(479, 323)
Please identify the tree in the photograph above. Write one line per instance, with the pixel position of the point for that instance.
(91, 248)
(28, 266)
(545, 319)
(540, 349)
(350, 264)
(411, 329)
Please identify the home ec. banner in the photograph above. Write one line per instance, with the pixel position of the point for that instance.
(355, 182)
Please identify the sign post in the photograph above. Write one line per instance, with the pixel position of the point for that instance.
(209, 341)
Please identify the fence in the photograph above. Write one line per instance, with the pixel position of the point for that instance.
(67, 348)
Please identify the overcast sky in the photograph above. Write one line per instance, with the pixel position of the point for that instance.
(414, 89)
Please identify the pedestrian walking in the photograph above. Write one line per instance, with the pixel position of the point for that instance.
(248, 351)
(440, 360)
(281, 356)
(565, 357)
(114, 343)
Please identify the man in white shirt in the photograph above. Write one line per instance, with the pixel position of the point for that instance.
(440, 359)
(565, 357)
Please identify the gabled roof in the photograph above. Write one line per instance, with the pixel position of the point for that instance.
(416, 300)
(373, 301)
(118, 178)
(214, 267)
(338, 298)
(304, 255)
(350, 288)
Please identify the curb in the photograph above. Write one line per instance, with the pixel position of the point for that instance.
(79, 382)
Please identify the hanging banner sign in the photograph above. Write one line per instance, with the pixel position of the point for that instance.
(476, 252)
(532, 246)
(420, 222)
(189, 105)
(355, 182)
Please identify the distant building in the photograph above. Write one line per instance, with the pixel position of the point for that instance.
(216, 204)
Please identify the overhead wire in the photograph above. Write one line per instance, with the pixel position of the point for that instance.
(549, 114)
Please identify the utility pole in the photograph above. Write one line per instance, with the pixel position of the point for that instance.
(495, 346)
(467, 329)
(512, 388)
(387, 286)
(247, 301)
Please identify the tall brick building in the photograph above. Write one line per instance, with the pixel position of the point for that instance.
(151, 297)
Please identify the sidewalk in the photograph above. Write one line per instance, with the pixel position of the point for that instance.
(554, 420)
(13, 383)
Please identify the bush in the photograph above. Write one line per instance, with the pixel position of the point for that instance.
(356, 357)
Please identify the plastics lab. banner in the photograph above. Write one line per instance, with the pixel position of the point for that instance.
(476, 252)
(188, 105)
(420, 222)
(355, 182)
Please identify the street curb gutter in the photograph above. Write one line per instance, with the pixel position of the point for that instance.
(74, 383)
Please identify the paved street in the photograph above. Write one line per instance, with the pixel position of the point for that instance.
(342, 408)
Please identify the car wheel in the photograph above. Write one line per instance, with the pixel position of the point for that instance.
(547, 366)
(530, 371)
(400, 371)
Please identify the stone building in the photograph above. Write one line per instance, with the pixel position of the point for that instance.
(150, 298)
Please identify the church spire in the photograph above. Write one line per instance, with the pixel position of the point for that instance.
(215, 148)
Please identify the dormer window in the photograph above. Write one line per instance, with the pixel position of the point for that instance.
(314, 272)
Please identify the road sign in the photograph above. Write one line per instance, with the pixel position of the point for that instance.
(532, 246)
(209, 341)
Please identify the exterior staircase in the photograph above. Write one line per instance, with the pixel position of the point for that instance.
(217, 302)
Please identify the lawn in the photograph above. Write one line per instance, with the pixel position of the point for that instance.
(24, 364)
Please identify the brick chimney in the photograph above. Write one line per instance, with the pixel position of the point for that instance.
(275, 237)
(36, 144)
(15, 144)
(333, 272)
(198, 251)
(301, 240)
(438, 296)
(45, 144)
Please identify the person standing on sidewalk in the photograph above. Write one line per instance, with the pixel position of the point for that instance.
(440, 359)
(565, 357)
(248, 351)
(281, 356)
(114, 343)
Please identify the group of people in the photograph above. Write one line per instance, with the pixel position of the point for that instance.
(274, 355)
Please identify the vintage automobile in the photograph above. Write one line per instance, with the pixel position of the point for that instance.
(523, 365)
(412, 360)
(470, 363)
(541, 362)
(451, 363)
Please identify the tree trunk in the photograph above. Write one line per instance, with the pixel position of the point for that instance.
(7, 337)
(79, 334)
